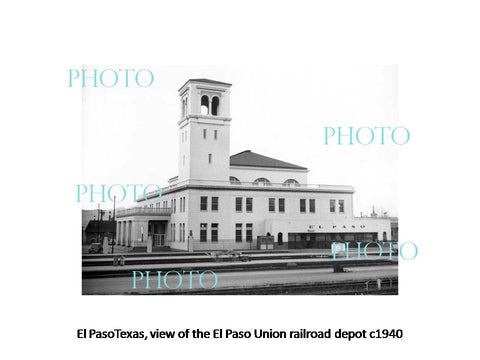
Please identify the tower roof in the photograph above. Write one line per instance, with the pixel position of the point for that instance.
(206, 81)
(251, 159)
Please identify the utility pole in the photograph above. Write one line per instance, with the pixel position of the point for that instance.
(98, 222)
(115, 224)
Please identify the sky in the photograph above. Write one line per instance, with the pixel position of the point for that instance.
(129, 135)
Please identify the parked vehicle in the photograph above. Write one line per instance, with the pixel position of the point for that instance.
(229, 255)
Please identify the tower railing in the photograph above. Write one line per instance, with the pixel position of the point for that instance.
(246, 184)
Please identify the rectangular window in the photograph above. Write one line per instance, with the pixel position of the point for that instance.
(312, 205)
(281, 205)
(214, 203)
(209, 158)
(249, 232)
(238, 204)
(203, 232)
(271, 204)
(203, 203)
(303, 205)
(215, 134)
(174, 205)
(332, 206)
(173, 232)
(204, 133)
(249, 204)
(215, 232)
(238, 232)
(341, 207)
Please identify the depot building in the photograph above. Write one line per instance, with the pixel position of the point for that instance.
(220, 201)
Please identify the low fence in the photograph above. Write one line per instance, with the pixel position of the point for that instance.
(224, 244)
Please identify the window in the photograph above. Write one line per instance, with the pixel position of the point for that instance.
(234, 180)
(271, 204)
(341, 207)
(204, 105)
(215, 134)
(215, 103)
(238, 204)
(214, 203)
(332, 206)
(312, 205)
(173, 232)
(303, 205)
(209, 158)
(203, 203)
(291, 182)
(249, 204)
(281, 205)
(174, 205)
(262, 181)
(214, 232)
(184, 107)
(249, 234)
(238, 232)
(203, 232)
(204, 133)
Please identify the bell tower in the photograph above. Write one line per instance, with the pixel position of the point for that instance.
(204, 130)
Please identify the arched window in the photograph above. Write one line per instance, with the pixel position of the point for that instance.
(204, 105)
(234, 180)
(291, 182)
(280, 238)
(262, 181)
(215, 103)
(184, 107)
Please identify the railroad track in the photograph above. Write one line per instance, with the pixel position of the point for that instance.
(388, 286)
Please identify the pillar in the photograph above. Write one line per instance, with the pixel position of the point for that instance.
(117, 234)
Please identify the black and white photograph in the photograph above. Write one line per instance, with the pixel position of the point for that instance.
(233, 220)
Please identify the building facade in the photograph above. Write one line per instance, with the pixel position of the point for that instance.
(220, 202)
